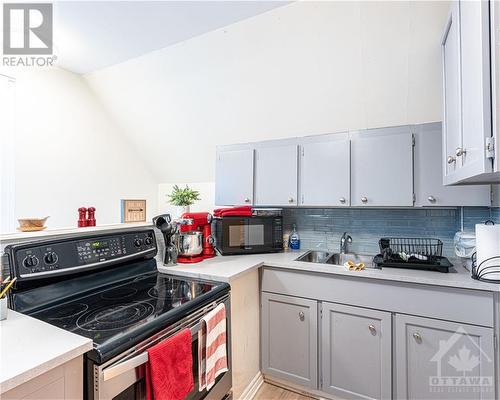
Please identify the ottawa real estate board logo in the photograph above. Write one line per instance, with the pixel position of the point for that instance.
(27, 35)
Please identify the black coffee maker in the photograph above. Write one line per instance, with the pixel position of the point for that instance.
(169, 229)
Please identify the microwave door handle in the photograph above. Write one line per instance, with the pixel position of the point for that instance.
(134, 362)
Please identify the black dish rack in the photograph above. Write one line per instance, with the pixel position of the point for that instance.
(413, 253)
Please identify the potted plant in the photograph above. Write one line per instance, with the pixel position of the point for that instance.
(183, 197)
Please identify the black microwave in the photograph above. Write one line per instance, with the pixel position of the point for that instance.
(248, 235)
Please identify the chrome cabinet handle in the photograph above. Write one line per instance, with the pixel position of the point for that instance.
(417, 337)
(302, 316)
(372, 329)
(342, 200)
(364, 200)
(247, 200)
(431, 199)
(290, 199)
(460, 152)
(451, 159)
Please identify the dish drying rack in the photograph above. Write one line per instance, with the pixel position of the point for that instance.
(413, 253)
(426, 248)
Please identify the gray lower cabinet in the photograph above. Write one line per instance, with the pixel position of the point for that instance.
(443, 360)
(290, 338)
(356, 352)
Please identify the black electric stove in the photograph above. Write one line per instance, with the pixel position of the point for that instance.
(114, 302)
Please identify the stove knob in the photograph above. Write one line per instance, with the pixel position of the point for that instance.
(148, 240)
(50, 258)
(30, 261)
(137, 242)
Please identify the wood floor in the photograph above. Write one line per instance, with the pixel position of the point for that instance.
(271, 392)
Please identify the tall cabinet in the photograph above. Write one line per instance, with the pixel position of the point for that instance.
(468, 134)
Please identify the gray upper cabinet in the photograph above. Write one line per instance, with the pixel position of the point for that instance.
(382, 167)
(429, 188)
(276, 171)
(234, 176)
(325, 170)
(290, 338)
(356, 352)
(467, 93)
(431, 353)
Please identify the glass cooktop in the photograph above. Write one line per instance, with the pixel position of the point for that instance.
(127, 312)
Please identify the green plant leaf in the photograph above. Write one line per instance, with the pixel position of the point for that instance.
(183, 196)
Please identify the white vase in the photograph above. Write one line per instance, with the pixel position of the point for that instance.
(186, 209)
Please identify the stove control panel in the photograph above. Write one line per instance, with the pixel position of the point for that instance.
(76, 254)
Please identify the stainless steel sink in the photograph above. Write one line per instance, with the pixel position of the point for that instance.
(324, 257)
(342, 258)
(314, 256)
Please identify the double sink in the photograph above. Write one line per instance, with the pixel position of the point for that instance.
(325, 257)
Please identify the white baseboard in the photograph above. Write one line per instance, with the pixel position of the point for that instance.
(253, 387)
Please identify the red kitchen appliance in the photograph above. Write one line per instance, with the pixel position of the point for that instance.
(194, 240)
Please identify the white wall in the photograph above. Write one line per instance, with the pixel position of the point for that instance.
(69, 153)
(305, 68)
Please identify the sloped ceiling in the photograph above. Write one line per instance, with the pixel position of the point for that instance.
(89, 35)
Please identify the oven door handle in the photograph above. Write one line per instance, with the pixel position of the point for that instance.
(134, 362)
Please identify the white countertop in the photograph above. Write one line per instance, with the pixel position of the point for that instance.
(228, 268)
(29, 348)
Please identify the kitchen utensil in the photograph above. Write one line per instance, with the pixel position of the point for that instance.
(168, 229)
(7, 288)
(32, 224)
(3, 308)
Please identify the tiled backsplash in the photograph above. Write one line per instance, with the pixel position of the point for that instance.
(322, 228)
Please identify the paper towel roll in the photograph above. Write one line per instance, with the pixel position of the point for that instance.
(488, 245)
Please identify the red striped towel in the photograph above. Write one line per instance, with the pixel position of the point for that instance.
(212, 354)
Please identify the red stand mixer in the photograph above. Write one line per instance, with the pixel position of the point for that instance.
(194, 240)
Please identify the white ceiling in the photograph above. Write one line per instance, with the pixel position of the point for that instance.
(90, 35)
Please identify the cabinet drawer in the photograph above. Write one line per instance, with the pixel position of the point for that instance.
(461, 305)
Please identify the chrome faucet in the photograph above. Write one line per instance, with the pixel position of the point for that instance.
(345, 240)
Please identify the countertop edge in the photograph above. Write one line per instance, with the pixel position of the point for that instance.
(40, 369)
(248, 266)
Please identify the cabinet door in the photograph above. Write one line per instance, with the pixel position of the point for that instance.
(429, 187)
(356, 352)
(289, 338)
(443, 360)
(234, 177)
(476, 83)
(452, 119)
(324, 171)
(276, 175)
(382, 167)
